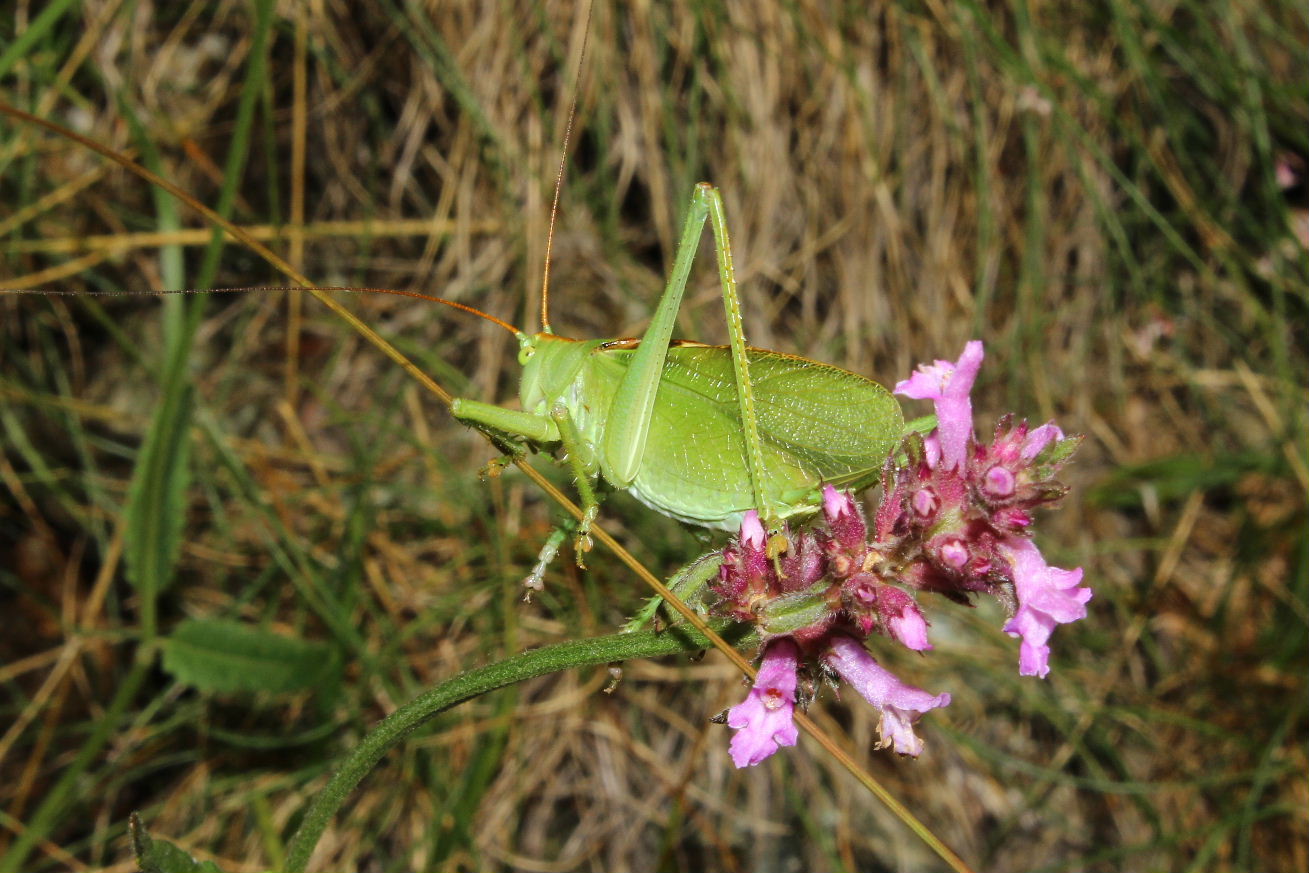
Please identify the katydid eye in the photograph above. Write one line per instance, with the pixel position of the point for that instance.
(525, 354)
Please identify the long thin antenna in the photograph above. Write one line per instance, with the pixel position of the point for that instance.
(241, 289)
(559, 177)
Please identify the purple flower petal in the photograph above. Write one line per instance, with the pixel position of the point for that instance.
(946, 384)
(1047, 597)
(904, 620)
(845, 523)
(900, 704)
(764, 719)
(932, 450)
(1038, 439)
(836, 504)
(999, 482)
(752, 531)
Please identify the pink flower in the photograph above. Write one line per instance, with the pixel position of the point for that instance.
(903, 619)
(752, 531)
(764, 719)
(836, 504)
(1038, 439)
(1047, 596)
(953, 519)
(946, 384)
(900, 704)
(999, 482)
(953, 553)
(845, 524)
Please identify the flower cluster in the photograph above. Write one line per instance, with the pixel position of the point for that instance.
(955, 519)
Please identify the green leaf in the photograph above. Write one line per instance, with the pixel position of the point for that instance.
(217, 655)
(156, 499)
(161, 856)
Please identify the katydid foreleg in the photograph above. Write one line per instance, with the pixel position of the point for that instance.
(554, 428)
(557, 427)
(519, 425)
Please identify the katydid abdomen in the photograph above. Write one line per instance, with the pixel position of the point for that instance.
(817, 424)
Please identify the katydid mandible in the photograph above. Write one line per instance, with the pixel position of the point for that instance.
(697, 432)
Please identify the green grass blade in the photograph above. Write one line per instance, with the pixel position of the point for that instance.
(157, 498)
(38, 28)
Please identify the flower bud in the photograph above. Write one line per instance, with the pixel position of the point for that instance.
(1011, 518)
(925, 503)
(803, 564)
(999, 482)
(845, 523)
(953, 553)
(752, 532)
(860, 591)
(902, 618)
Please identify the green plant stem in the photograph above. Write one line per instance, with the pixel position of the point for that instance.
(466, 686)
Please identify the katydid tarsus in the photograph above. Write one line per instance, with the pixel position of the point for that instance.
(697, 432)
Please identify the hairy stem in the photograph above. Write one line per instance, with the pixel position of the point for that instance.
(466, 686)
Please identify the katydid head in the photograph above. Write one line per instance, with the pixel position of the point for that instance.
(550, 367)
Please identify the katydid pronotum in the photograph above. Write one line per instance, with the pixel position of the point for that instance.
(697, 432)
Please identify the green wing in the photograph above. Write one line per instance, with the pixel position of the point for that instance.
(817, 424)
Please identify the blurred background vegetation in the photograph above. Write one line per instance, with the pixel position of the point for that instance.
(1112, 195)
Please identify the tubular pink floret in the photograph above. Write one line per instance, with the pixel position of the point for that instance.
(752, 531)
(904, 620)
(764, 720)
(947, 384)
(1038, 439)
(1047, 597)
(901, 705)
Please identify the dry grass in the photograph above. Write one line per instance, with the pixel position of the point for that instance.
(1091, 191)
